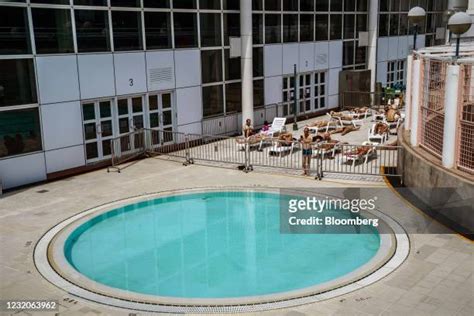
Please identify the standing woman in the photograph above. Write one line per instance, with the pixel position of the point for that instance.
(306, 141)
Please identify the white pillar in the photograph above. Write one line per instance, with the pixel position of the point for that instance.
(408, 92)
(373, 34)
(246, 59)
(450, 116)
(415, 102)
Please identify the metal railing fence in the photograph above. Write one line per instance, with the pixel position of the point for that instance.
(265, 154)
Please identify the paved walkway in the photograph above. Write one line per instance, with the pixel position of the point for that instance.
(436, 279)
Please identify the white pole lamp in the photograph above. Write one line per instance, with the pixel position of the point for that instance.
(416, 17)
(459, 24)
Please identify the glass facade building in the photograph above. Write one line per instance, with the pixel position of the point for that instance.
(76, 73)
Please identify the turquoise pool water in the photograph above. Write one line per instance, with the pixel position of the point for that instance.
(210, 245)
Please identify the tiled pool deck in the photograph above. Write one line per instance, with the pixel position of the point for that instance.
(436, 279)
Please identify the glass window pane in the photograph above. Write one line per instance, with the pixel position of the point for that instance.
(105, 110)
(348, 53)
(383, 25)
(92, 29)
(212, 100)
(91, 151)
(17, 82)
(306, 5)
(349, 26)
(185, 30)
(106, 148)
(258, 93)
(184, 4)
(19, 132)
(231, 26)
(106, 128)
(361, 55)
(257, 5)
(127, 30)
(336, 5)
(124, 125)
(153, 102)
(14, 34)
(210, 29)
(335, 29)
(166, 101)
(272, 28)
(156, 3)
(273, 5)
(88, 111)
(233, 97)
(210, 4)
(158, 30)
(91, 2)
(361, 23)
(290, 5)
(137, 105)
(322, 5)
(231, 5)
(53, 31)
(154, 120)
(211, 61)
(125, 3)
(258, 62)
(90, 131)
(362, 5)
(322, 27)
(257, 25)
(384, 5)
(306, 27)
(123, 106)
(290, 28)
(349, 5)
(394, 25)
(232, 67)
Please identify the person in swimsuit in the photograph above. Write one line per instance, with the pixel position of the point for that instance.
(306, 141)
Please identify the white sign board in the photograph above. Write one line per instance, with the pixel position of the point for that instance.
(235, 47)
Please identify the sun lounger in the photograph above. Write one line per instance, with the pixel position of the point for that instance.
(375, 137)
(353, 158)
(279, 148)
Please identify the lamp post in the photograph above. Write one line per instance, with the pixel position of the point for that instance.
(459, 24)
(416, 16)
(295, 103)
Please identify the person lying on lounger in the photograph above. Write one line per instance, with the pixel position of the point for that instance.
(341, 115)
(285, 139)
(381, 129)
(321, 124)
(391, 114)
(359, 151)
(345, 130)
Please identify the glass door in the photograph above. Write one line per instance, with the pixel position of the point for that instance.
(304, 93)
(98, 129)
(160, 111)
(130, 116)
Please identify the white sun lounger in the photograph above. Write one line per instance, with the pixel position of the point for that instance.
(353, 159)
(377, 137)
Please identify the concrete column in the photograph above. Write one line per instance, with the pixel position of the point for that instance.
(450, 116)
(373, 34)
(415, 102)
(246, 59)
(408, 92)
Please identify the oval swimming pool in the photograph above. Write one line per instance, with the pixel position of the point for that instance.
(210, 245)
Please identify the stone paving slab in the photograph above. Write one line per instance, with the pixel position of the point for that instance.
(436, 279)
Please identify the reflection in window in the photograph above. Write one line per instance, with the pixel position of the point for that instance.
(306, 27)
(126, 30)
(210, 29)
(14, 35)
(233, 97)
(212, 100)
(231, 26)
(257, 25)
(53, 31)
(322, 27)
(19, 132)
(232, 67)
(258, 93)
(290, 28)
(211, 61)
(272, 28)
(157, 30)
(92, 29)
(258, 62)
(185, 29)
(17, 82)
(335, 27)
(210, 4)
